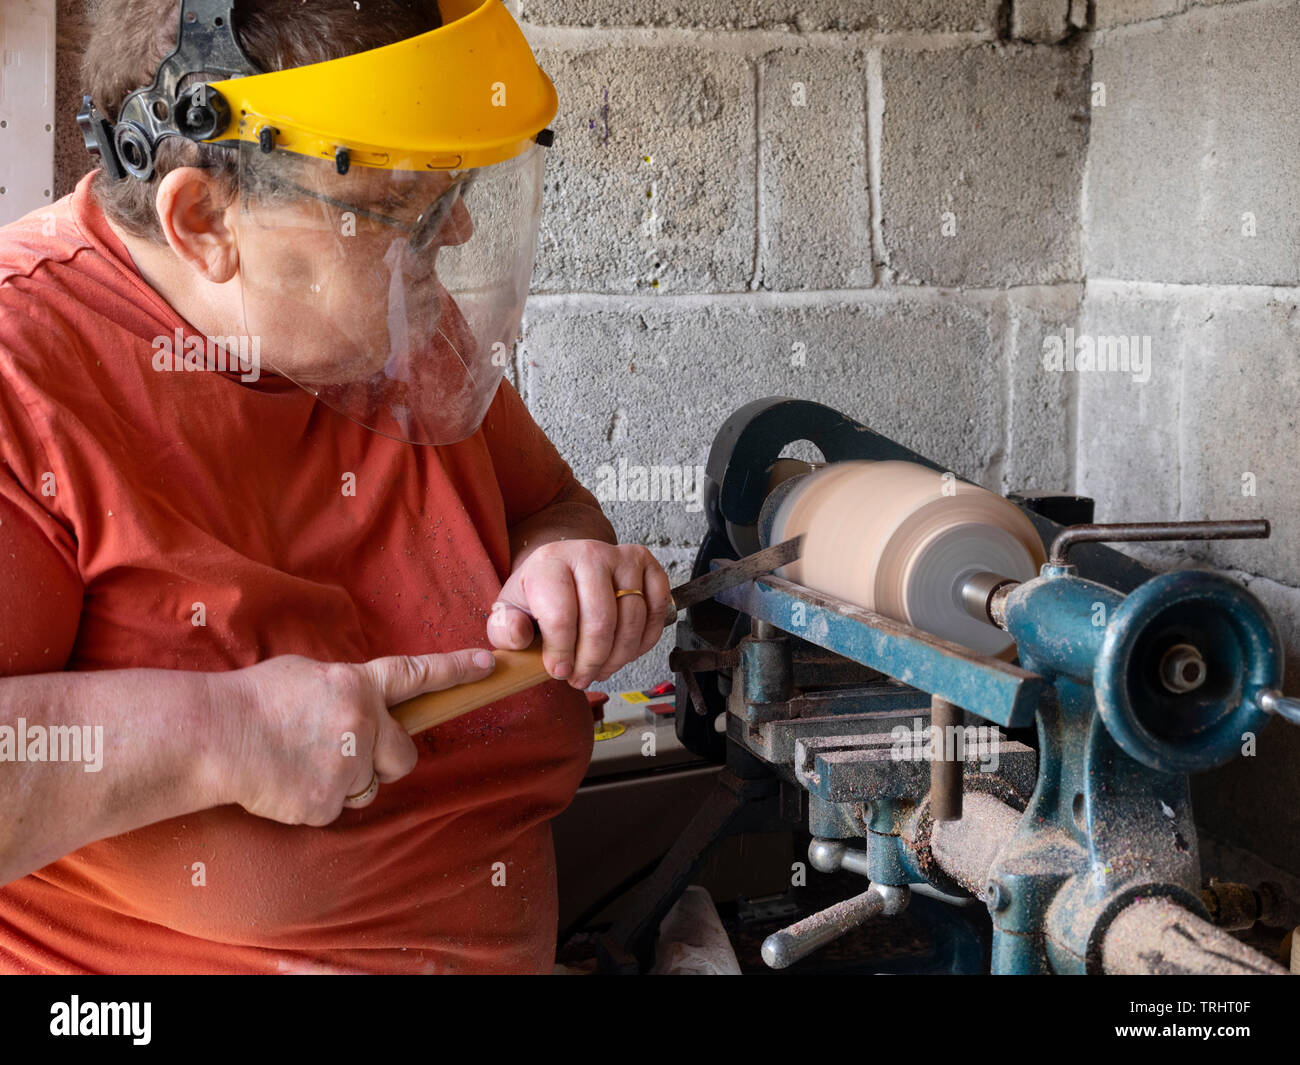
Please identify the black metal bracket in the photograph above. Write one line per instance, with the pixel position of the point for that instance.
(206, 44)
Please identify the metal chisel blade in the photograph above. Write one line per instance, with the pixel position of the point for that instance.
(758, 564)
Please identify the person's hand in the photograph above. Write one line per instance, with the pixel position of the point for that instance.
(569, 587)
(297, 737)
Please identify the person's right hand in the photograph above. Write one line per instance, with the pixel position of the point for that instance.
(294, 737)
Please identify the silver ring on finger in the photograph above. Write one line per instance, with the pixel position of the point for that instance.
(363, 797)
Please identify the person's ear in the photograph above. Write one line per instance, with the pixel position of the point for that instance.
(192, 211)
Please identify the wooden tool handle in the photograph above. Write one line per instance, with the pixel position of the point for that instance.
(515, 671)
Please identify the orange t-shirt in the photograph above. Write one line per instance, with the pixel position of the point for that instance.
(156, 491)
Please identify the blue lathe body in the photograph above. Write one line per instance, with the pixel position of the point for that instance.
(892, 745)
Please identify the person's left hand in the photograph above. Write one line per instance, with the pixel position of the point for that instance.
(569, 586)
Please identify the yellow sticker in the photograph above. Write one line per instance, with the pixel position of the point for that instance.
(609, 729)
(634, 697)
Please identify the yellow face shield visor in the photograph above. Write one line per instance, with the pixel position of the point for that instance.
(388, 205)
(466, 95)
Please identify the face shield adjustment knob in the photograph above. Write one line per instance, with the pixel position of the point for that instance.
(134, 150)
(201, 112)
(546, 138)
(342, 160)
(266, 139)
(97, 132)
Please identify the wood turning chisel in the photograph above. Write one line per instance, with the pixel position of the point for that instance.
(518, 670)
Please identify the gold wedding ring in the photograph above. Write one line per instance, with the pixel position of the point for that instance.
(619, 593)
(363, 797)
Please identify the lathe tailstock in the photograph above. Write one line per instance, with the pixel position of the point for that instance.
(839, 704)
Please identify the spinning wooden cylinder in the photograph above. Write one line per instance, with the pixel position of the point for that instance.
(905, 541)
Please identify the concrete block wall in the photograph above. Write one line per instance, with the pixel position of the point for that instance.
(1191, 238)
(874, 205)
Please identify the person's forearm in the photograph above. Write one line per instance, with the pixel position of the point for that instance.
(575, 517)
(150, 737)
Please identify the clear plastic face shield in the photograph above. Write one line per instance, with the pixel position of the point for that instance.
(392, 294)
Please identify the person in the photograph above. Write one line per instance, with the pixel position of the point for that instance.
(261, 479)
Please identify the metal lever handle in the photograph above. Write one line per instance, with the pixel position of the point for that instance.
(945, 773)
(1153, 530)
(831, 855)
(784, 948)
(1274, 702)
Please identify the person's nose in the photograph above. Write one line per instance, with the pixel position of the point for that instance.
(459, 226)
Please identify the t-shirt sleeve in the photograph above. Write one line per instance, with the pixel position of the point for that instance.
(529, 469)
(40, 588)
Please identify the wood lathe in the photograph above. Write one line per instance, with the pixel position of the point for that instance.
(866, 691)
